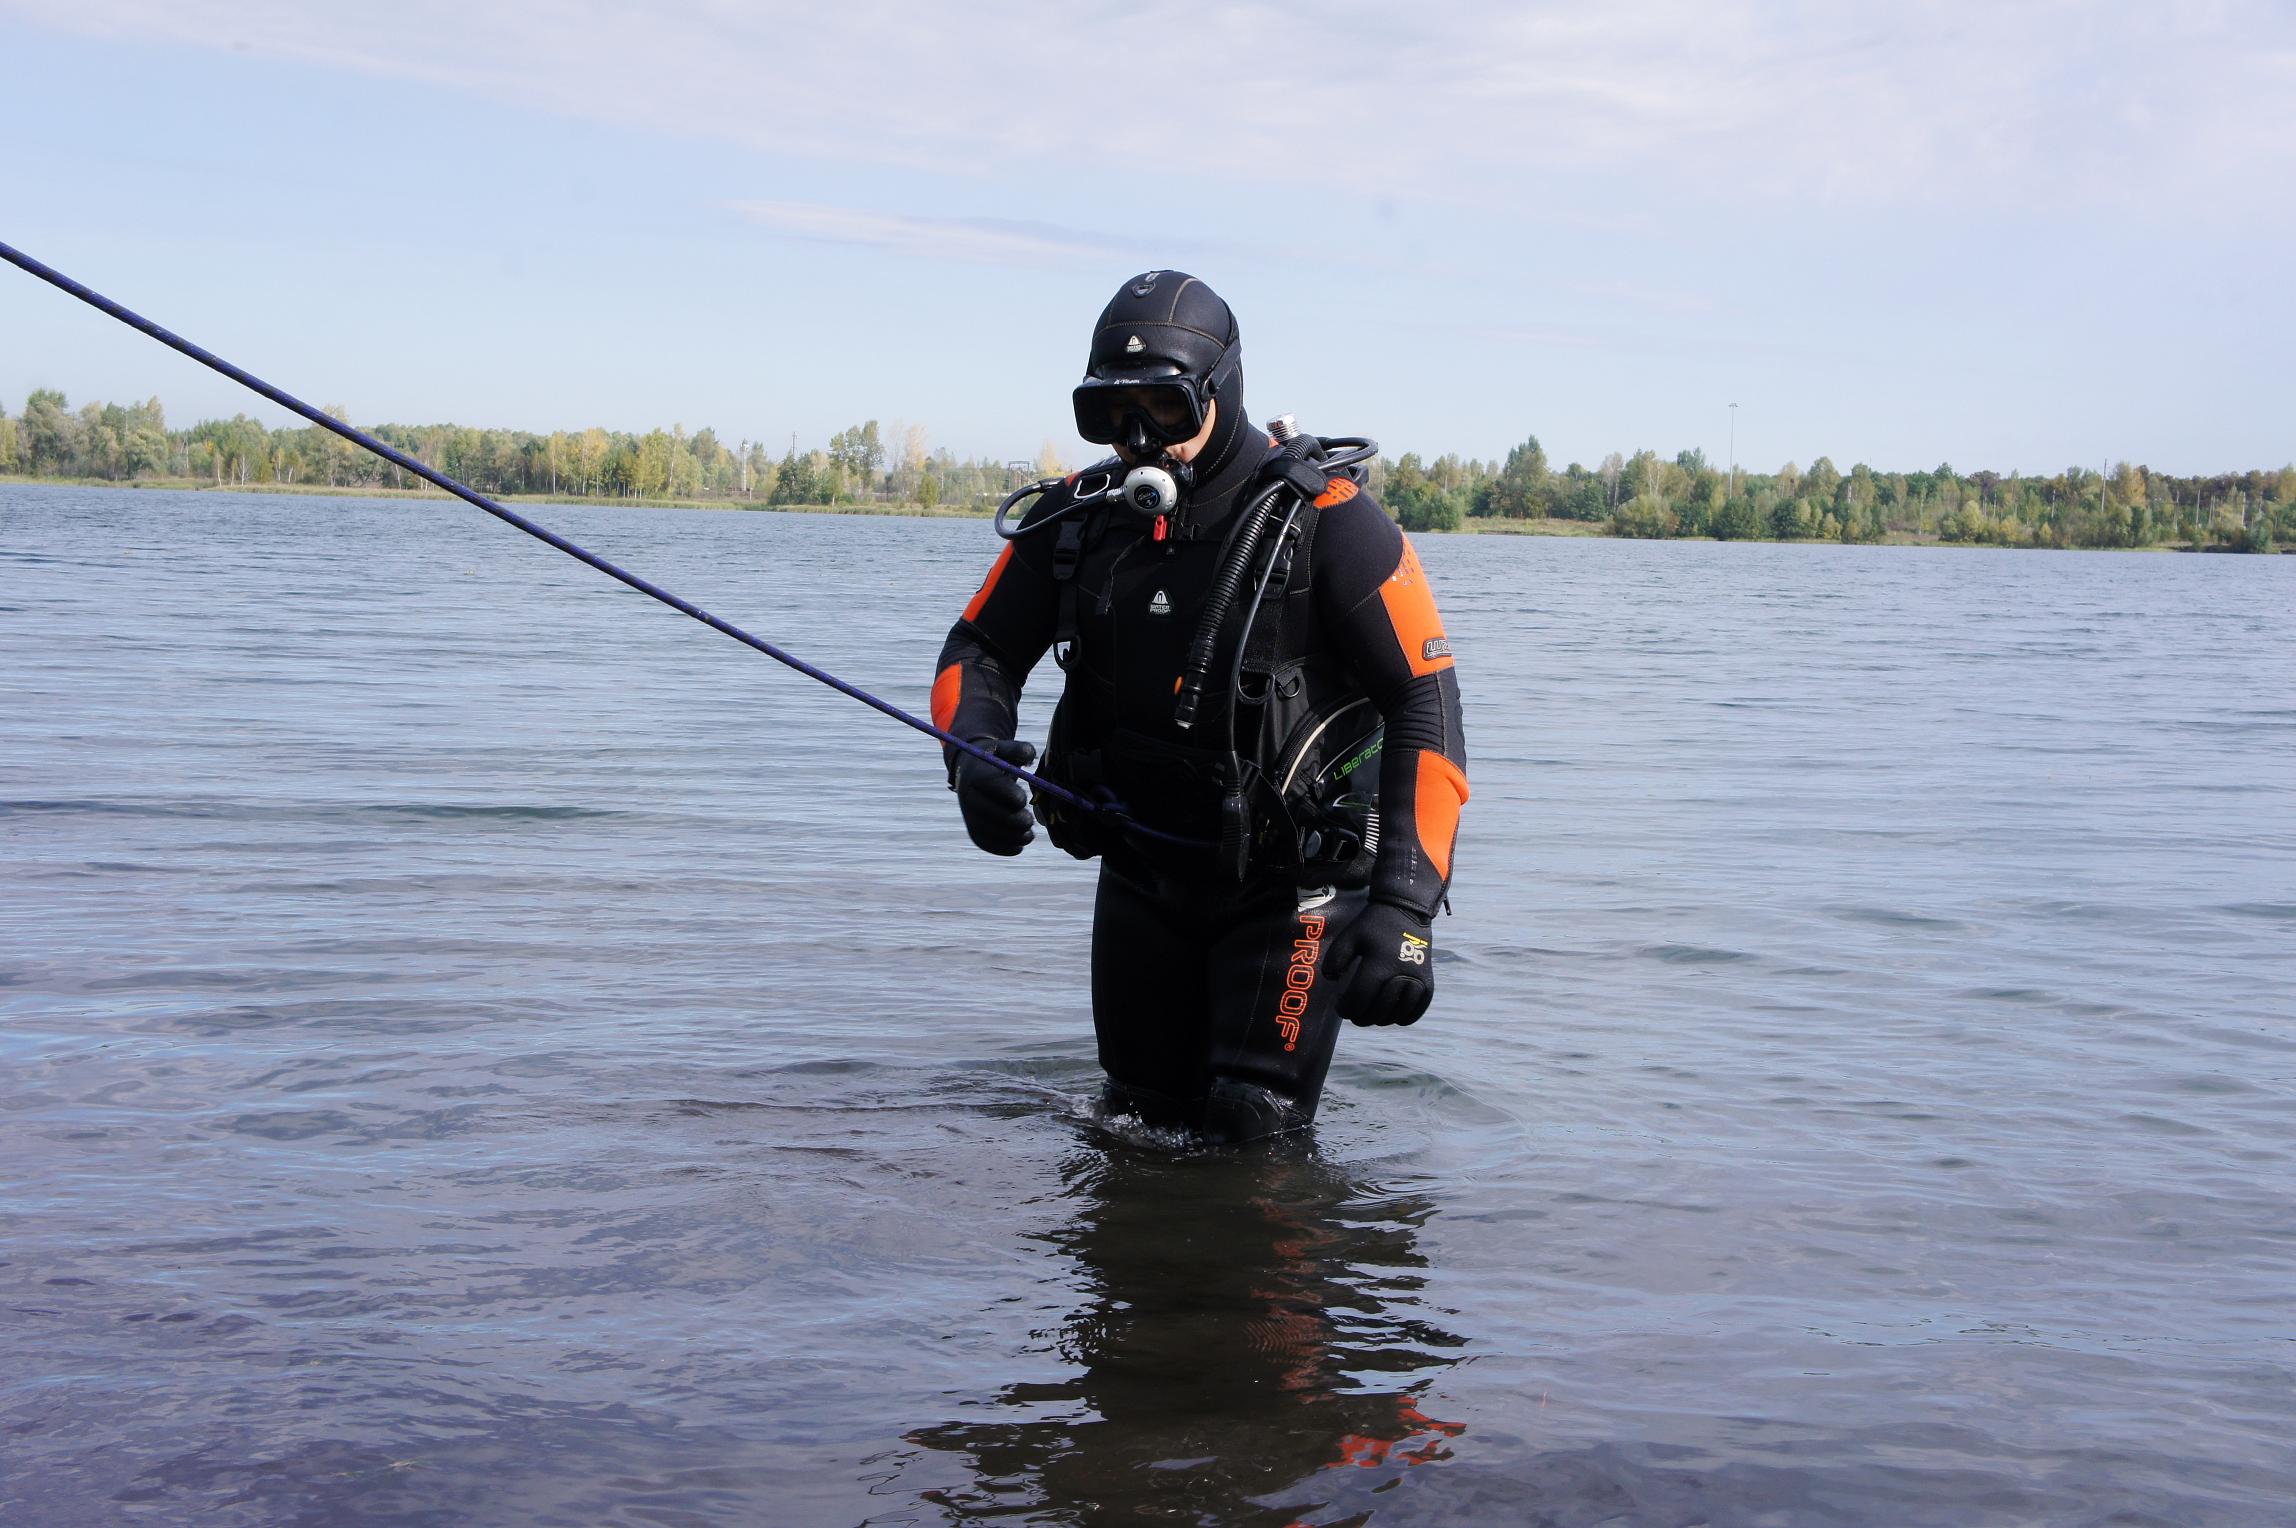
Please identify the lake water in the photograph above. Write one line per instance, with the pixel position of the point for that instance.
(476, 1047)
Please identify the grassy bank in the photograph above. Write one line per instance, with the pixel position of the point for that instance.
(1541, 527)
(325, 491)
(1475, 526)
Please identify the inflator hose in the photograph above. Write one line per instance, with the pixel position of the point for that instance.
(1225, 587)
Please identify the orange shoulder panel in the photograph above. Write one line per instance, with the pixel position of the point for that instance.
(989, 584)
(1411, 612)
(1335, 491)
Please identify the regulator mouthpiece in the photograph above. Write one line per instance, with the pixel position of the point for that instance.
(1151, 490)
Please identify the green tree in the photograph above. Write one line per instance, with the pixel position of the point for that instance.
(706, 450)
(1645, 516)
(650, 470)
(618, 474)
(1645, 476)
(1861, 493)
(1822, 482)
(52, 434)
(806, 479)
(338, 459)
(1582, 496)
(685, 466)
(1427, 507)
(1417, 499)
(1406, 476)
(858, 451)
(1520, 490)
(146, 452)
(1736, 520)
(241, 448)
(1696, 511)
(1611, 471)
(590, 450)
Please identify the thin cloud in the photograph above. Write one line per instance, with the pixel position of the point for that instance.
(1614, 340)
(988, 240)
(1941, 105)
(1656, 299)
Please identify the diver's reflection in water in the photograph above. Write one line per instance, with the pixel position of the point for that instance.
(1248, 1320)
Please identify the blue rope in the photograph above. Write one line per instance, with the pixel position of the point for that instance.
(543, 533)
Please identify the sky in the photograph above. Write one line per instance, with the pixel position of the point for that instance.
(2022, 236)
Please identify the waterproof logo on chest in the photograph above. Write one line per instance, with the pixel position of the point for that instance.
(1161, 604)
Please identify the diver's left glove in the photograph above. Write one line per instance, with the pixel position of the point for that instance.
(995, 804)
(1387, 958)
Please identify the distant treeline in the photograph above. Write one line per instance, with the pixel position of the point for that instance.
(1639, 495)
(118, 443)
(1646, 495)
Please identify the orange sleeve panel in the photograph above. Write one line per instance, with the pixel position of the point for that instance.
(1442, 790)
(1006, 627)
(988, 586)
(1383, 624)
(1411, 612)
(948, 689)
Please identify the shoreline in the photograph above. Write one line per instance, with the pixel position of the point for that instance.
(1567, 529)
(331, 491)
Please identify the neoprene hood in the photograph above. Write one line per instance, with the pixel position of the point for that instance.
(1164, 332)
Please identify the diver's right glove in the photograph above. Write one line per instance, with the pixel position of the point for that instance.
(1387, 958)
(995, 804)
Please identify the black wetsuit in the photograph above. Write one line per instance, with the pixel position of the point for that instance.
(1206, 994)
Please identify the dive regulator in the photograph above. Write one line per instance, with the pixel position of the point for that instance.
(1154, 490)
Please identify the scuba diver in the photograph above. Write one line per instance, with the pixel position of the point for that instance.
(1257, 677)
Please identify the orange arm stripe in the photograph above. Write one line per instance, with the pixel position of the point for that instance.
(989, 584)
(1442, 791)
(948, 689)
(1411, 613)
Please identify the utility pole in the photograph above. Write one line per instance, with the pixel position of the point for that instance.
(1733, 450)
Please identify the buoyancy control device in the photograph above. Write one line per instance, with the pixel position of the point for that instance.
(1280, 763)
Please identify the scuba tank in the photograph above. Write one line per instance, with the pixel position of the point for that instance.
(1298, 805)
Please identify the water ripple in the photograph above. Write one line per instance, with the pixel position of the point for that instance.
(508, 1061)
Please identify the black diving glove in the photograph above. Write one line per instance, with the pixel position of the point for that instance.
(1387, 958)
(995, 804)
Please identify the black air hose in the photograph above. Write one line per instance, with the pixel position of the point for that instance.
(1224, 590)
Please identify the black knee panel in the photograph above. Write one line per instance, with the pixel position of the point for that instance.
(1236, 1112)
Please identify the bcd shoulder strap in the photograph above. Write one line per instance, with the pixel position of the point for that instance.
(1290, 587)
(1067, 552)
